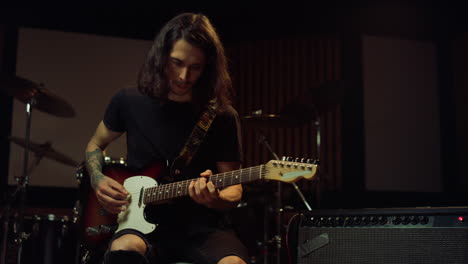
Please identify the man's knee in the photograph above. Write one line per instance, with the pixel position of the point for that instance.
(231, 260)
(129, 242)
(124, 257)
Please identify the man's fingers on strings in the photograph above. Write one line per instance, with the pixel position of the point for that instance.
(196, 187)
(201, 183)
(206, 173)
(191, 189)
(193, 192)
(212, 189)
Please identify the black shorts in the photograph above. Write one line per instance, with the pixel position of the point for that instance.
(207, 246)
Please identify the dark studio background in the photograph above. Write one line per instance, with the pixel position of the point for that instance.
(328, 32)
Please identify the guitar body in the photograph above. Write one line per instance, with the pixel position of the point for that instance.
(94, 216)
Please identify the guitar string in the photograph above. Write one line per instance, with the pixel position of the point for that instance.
(242, 173)
(216, 176)
(174, 185)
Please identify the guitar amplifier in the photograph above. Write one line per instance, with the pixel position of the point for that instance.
(396, 235)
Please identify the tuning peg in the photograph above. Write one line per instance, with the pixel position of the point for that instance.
(284, 158)
(296, 160)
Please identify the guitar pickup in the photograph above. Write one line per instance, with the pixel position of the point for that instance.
(101, 229)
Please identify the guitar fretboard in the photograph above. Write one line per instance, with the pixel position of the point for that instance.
(220, 180)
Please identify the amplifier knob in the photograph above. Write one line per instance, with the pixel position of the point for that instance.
(321, 222)
(396, 220)
(339, 221)
(423, 220)
(382, 220)
(313, 221)
(405, 220)
(365, 221)
(356, 221)
(347, 221)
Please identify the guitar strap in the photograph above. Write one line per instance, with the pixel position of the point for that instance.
(195, 138)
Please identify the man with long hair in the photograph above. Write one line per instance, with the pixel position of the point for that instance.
(184, 73)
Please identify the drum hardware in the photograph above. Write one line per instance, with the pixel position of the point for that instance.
(40, 151)
(277, 237)
(303, 109)
(76, 212)
(109, 160)
(86, 256)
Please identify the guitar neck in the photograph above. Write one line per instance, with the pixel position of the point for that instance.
(220, 180)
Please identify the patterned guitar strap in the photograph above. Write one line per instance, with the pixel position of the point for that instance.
(195, 139)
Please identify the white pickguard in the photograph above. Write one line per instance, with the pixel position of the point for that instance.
(133, 217)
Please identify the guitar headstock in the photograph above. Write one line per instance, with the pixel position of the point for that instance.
(289, 171)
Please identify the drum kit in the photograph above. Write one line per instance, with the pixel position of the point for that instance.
(39, 236)
(50, 238)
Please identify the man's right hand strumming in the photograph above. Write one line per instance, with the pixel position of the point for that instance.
(110, 194)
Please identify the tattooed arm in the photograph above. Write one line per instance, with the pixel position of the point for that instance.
(110, 194)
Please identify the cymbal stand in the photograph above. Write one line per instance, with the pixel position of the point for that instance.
(24, 180)
(318, 195)
(262, 139)
(277, 237)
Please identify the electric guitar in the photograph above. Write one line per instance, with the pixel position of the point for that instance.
(99, 225)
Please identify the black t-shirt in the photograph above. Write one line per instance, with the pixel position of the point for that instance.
(157, 131)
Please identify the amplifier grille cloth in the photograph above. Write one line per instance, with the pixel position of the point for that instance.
(387, 245)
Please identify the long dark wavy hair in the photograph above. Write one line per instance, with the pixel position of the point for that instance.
(196, 29)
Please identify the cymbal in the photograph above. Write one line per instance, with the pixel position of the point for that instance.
(45, 150)
(271, 120)
(24, 90)
(303, 108)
